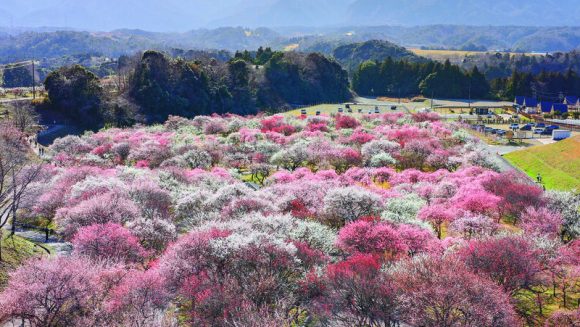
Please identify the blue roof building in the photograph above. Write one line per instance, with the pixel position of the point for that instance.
(571, 100)
(560, 107)
(546, 107)
(530, 102)
(519, 100)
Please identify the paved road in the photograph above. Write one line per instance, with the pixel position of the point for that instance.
(505, 149)
(497, 151)
(437, 102)
(55, 245)
(14, 100)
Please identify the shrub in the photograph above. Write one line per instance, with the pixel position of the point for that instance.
(436, 292)
(371, 238)
(108, 242)
(350, 203)
(52, 292)
(109, 207)
(344, 122)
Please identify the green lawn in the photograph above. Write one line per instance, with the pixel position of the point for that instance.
(333, 109)
(558, 163)
(15, 250)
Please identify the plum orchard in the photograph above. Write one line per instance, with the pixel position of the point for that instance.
(371, 221)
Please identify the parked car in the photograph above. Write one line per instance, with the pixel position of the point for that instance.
(340, 110)
(554, 127)
(318, 113)
(501, 132)
(303, 112)
(377, 111)
(360, 111)
(349, 110)
(527, 127)
(488, 129)
(540, 125)
(538, 130)
(393, 107)
(514, 126)
(548, 131)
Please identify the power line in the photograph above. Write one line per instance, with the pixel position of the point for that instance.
(17, 65)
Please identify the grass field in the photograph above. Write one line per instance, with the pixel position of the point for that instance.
(15, 250)
(333, 109)
(455, 56)
(558, 163)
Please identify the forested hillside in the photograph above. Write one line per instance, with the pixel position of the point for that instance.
(403, 78)
(444, 80)
(159, 86)
(353, 54)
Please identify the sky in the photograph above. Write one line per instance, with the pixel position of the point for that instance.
(184, 15)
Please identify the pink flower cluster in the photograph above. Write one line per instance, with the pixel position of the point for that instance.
(373, 220)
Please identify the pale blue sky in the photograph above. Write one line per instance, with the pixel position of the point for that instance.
(183, 15)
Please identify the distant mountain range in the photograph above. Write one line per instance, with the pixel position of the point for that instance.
(20, 44)
(182, 15)
(466, 12)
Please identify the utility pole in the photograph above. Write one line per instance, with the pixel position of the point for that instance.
(469, 93)
(33, 81)
(119, 77)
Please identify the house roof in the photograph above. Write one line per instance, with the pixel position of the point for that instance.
(530, 102)
(571, 100)
(546, 106)
(519, 100)
(561, 107)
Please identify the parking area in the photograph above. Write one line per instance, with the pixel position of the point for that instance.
(530, 133)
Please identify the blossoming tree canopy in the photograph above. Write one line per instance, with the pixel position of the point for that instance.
(330, 220)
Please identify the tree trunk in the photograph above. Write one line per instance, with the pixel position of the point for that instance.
(1, 236)
(565, 301)
(13, 229)
(540, 306)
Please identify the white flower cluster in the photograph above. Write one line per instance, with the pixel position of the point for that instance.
(280, 227)
(379, 151)
(351, 203)
(567, 204)
(404, 210)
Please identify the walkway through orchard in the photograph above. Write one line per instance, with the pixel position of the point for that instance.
(51, 242)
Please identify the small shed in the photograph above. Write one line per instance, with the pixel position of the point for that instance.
(482, 111)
